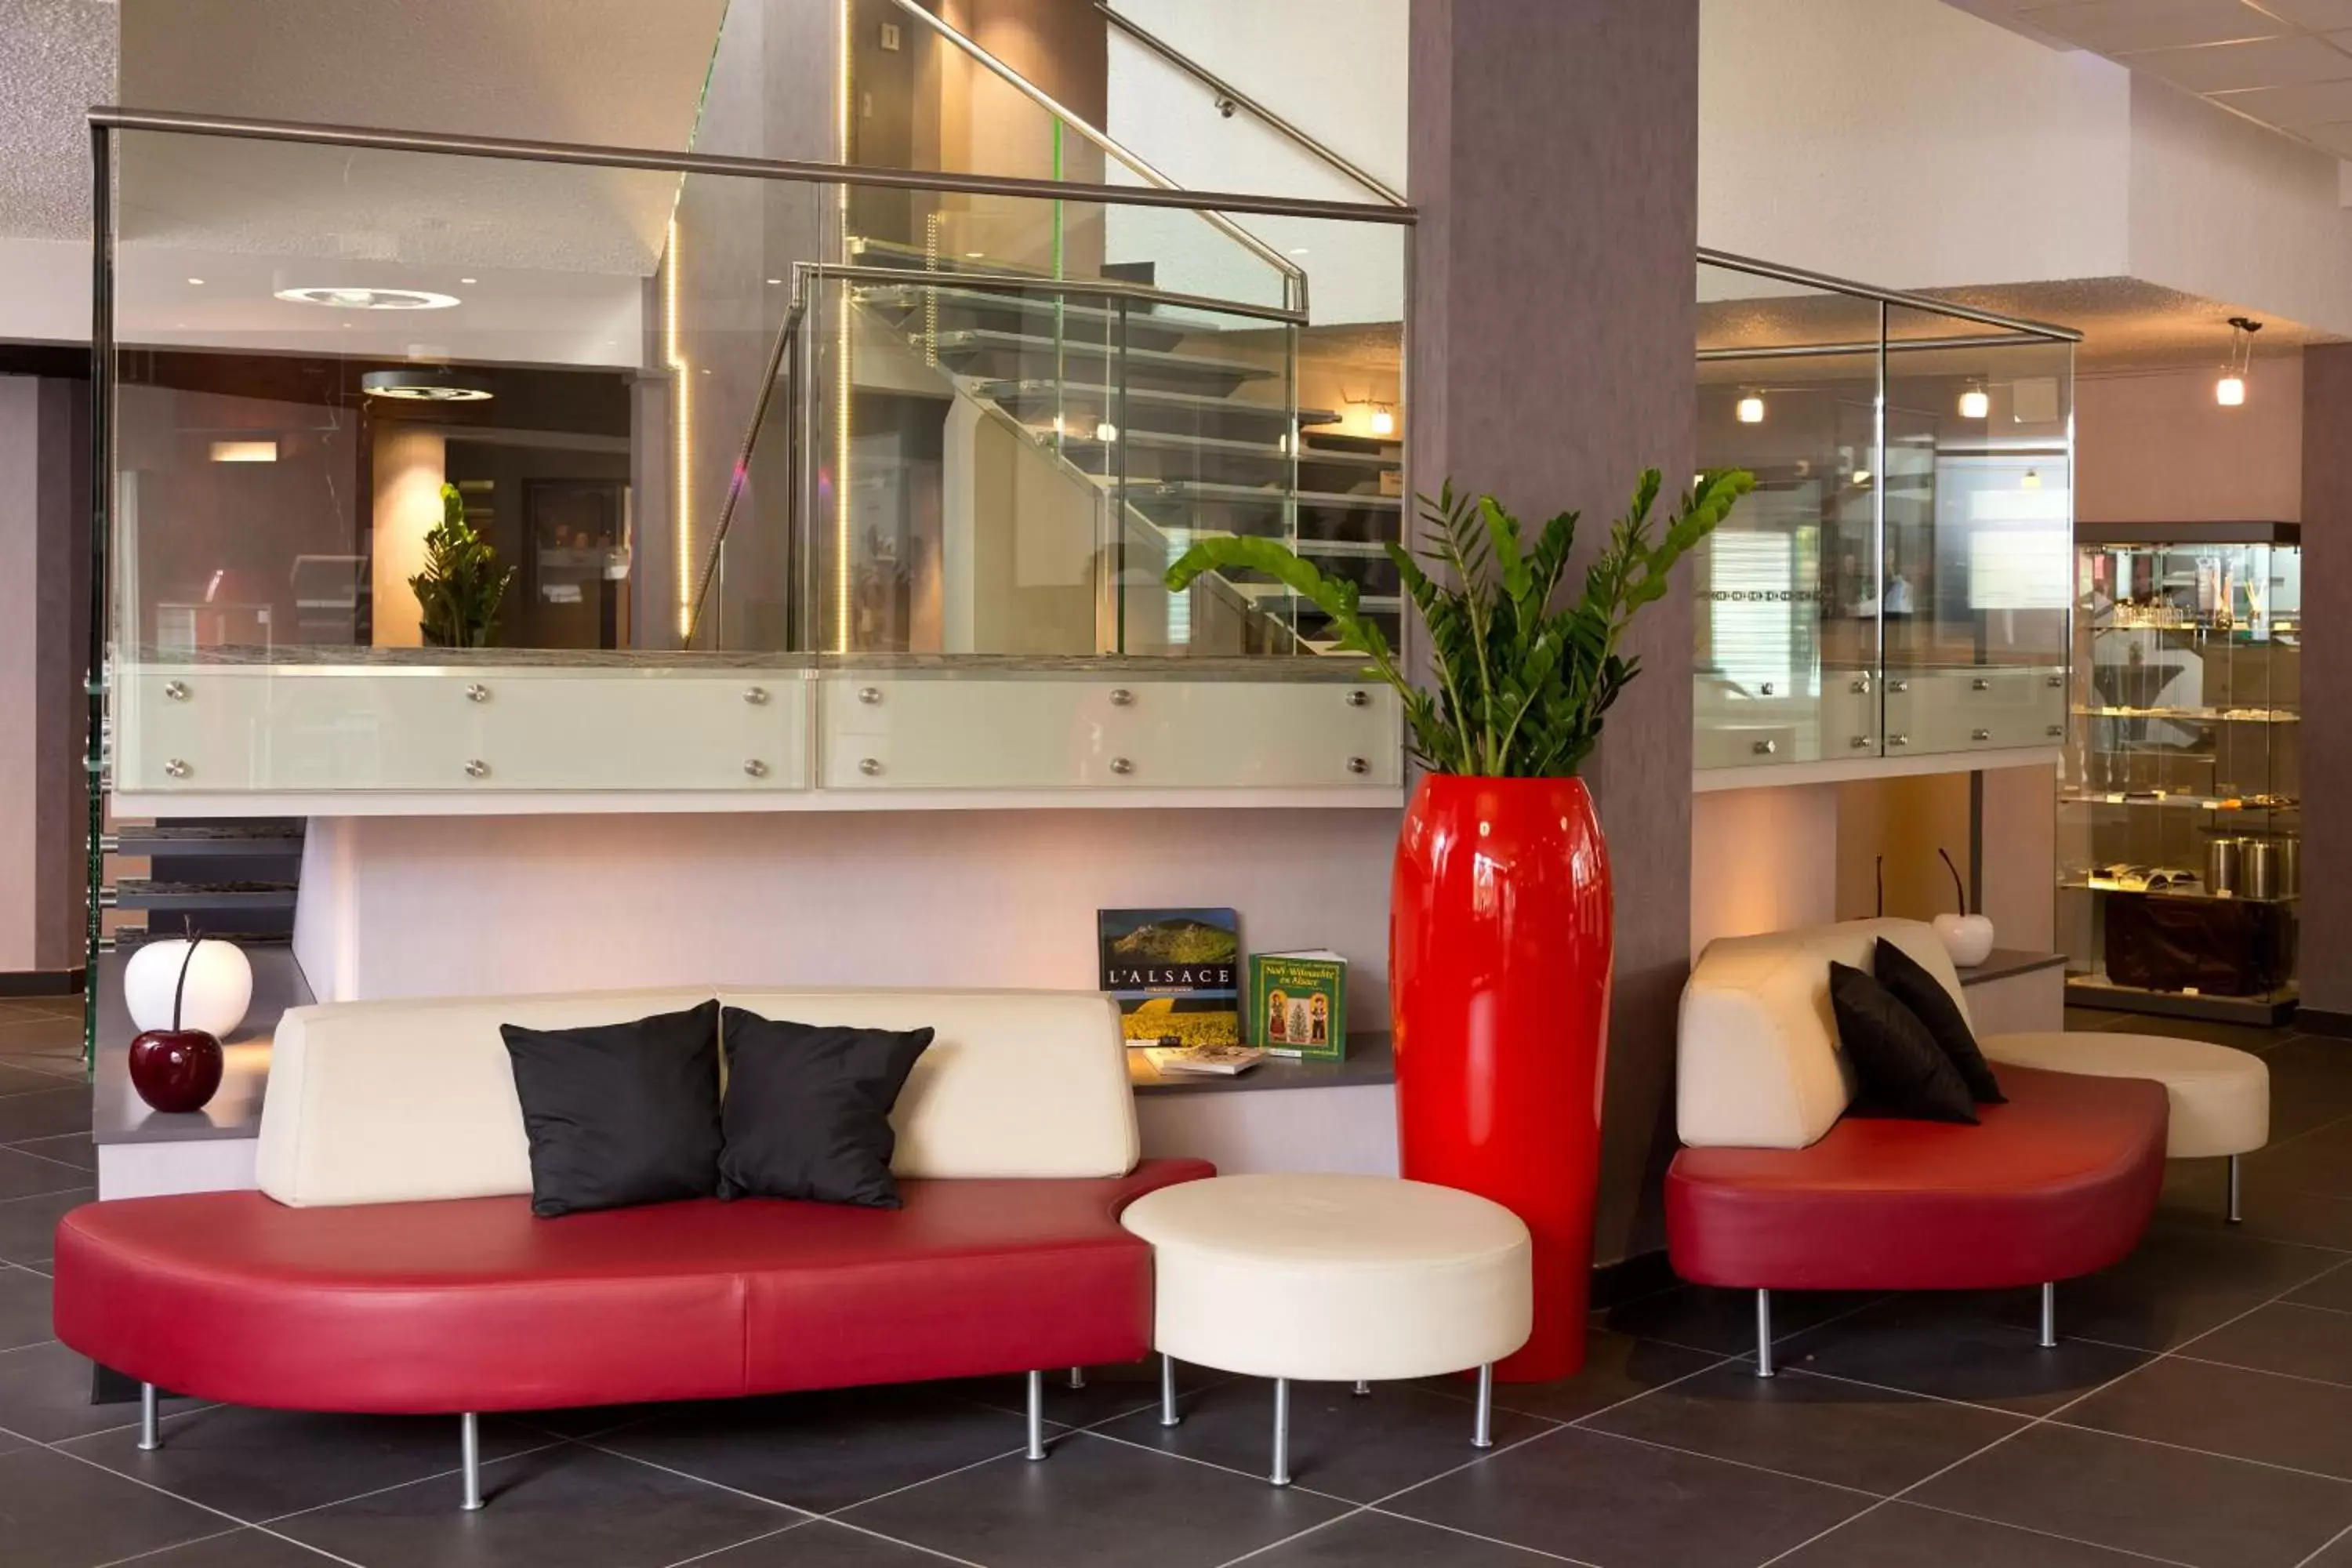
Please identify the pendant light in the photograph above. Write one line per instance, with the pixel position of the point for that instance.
(1976, 403)
(1750, 410)
(2230, 392)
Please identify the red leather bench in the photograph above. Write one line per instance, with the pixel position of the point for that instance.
(1780, 1191)
(391, 1263)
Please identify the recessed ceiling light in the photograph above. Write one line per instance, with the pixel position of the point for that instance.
(775, 283)
(426, 384)
(197, 282)
(356, 298)
(1750, 410)
(245, 451)
(469, 280)
(1976, 403)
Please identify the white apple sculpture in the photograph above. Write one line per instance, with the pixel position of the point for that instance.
(219, 989)
(1967, 937)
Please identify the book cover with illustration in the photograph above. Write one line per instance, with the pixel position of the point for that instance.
(1298, 1005)
(1176, 972)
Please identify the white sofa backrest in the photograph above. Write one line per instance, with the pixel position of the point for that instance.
(1760, 1065)
(408, 1100)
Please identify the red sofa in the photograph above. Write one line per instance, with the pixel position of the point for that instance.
(1780, 1191)
(392, 1264)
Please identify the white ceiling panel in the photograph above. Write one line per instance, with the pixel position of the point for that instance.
(2113, 27)
(2318, 16)
(2335, 138)
(2312, 103)
(2263, 62)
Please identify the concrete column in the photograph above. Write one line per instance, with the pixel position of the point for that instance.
(1555, 159)
(2325, 964)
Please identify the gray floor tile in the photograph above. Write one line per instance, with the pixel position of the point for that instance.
(2337, 1553)
(15, 1079)
(57, 1512)
(1109, 1390)
(45, 1394)
(2301, 1342)
(25, 1177)
(238, 1548)
(53, 1110)
(2176, 1286)
(1725, 1320)
(1901, 1536)
(2331, 1290)
(1361, 1449)
(260, 1463)
(1949, 1347)
(1617, 1367)
(1839, 1433)
(567, 1505)
(2238, 1037)
(2311, 1085)
(23, 1310)
(28, 1226)
(824, 1452)
(820, 1544)
(2227, 1410)
(2143, 1497)
(2281, 1207)
(1096, 1504)
(73, 1149)
(1620, 1504)
(1384, 1541)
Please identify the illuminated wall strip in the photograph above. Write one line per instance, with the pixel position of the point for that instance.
(681, 427)
(841, 507)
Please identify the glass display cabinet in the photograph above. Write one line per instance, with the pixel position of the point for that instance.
(2180, 798)
(1894, 594)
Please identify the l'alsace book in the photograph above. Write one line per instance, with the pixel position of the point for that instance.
(1176, 972)
(1299, 1003)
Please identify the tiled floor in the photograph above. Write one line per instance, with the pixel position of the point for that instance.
(2199, 1413)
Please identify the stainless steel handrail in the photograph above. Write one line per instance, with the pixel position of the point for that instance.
(1870, 346)
(1228, 93)
(785, 337)
(1294, 276)
(1110, 288)
(1934, 306)
(1212, 204)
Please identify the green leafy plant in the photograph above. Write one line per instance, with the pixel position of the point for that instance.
(461, 587)
(1521, 687)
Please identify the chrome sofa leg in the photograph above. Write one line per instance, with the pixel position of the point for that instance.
(1482, 1436)
(1036, 1415)
(2237, 1188)
(1362, 1390)
(1281, 1476)
(1168, 1416)
(2050, 1315)
(1077, 1377)
(1764, 1333)
(151, 1432)
(470, 1458)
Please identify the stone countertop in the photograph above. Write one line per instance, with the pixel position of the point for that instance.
(2008, 963)
(1369, 1061)
(1337, 668)
(117, 1113)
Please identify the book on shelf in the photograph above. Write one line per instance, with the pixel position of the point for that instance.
(1299, 1003)
(1176, 973)
(1216, 1061)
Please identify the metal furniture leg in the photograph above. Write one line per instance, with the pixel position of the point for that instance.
(1168, 1417)
(469, 1458)
(150, 1434)
(1764, 1333)
(1036, 1415)
(1281, 1476)
(2237, 1188)
(2050, 1315)
(1482, 1436)
(1077, 1377)
(1363, 1390)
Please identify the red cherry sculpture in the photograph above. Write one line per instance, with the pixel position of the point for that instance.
(177, 1069)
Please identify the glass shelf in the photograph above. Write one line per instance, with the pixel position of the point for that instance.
(2201, 715)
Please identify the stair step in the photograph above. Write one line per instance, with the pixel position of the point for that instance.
(128, 938)
(178, 840)
(1034, 401)
(999, 355)
(998, 309)
(1255, 496)
(144, 893)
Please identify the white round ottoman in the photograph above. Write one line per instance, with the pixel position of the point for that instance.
(2220, 1098)
(1333, 1278)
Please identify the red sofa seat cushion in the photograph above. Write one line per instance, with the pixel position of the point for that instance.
(473, 1304)
(2059, 1182)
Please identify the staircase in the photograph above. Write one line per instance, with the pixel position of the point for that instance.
(1189, 420)
(236, 878)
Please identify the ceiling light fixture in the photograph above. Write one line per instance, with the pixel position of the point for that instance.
(1976, 403)
(1750, 410)
(369, 299)
(426, 383)
(2031, 481)
(470, 280)
(245, 451)
(2230, 392)
(1383, 420)
(195, 282)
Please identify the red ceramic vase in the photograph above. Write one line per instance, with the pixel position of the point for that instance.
(1500, 948)
(176, 1069)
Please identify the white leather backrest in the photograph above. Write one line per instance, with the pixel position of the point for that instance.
(414, 1100)
(1759, 1066)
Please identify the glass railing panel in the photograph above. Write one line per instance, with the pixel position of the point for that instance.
(1785, 650)
(1978, 494)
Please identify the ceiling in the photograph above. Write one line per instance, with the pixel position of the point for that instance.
(57, 58)
(2285, 64)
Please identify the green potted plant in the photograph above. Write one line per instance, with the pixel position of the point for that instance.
(460, 589)
(1500, 944)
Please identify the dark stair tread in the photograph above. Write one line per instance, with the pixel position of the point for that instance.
(173, 840)
(128, 937)
(141, 892)
(1008, 390)
(1212, 490)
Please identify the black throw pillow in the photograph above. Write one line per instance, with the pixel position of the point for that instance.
(808, 1110)
(1899, 1069)
(1933, 1006)
(620, 1113)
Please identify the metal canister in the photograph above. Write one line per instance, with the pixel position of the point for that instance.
(2270, 867)
(2224, 864)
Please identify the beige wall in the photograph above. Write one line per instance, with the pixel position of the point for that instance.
(20, 429)
(1762, 860)
(410, 461)
(2152, 448)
